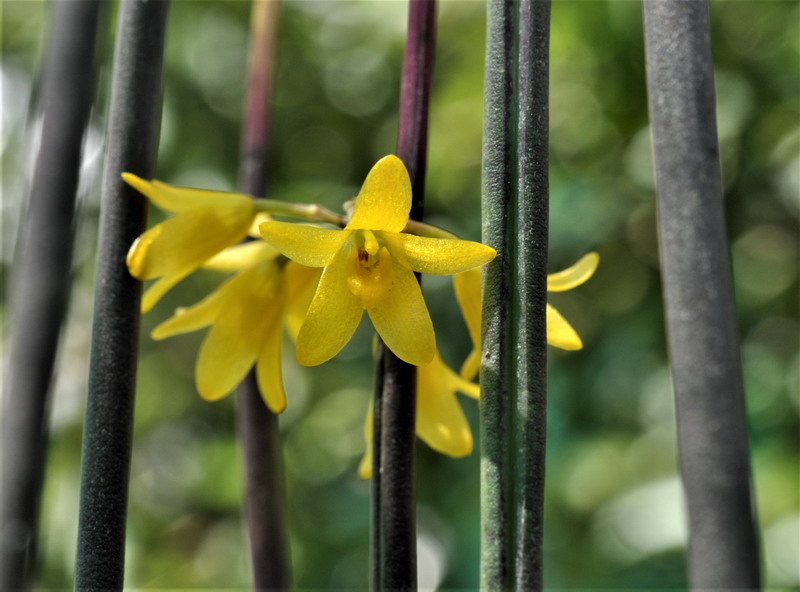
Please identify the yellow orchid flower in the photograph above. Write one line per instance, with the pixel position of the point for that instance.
(246, 314)
(369, 265)
(560, 333)
(440, 421)
(206, 223)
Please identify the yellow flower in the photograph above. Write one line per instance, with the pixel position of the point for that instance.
(369, 265)
(440, 421)
(206, 223)
(559, 332)
(246, 314)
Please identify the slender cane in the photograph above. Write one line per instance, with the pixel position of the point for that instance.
(133, 127)
(698, 294)
(394, 561)
(258, 426)
(40, 285)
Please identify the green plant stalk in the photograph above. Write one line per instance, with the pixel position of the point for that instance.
(258, 427)
(133, 126)
(514, 370)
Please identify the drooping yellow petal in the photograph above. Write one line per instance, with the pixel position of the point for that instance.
(300, 283)
(156, 291)
(241, 256)
(268, 368)
(402, 319)
(440, 420)
(436, 256)
(384, 201)
(308, 245)
(574, 275)
(472, 365)
(365, 466)
(560, 333)
(332, 317)
(235, 340)
(179, 199)
(186, 320)
(467, 286)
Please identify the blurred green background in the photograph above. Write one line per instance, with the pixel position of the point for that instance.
(614, 515)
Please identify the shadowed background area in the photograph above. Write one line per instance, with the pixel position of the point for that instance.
(614, 514)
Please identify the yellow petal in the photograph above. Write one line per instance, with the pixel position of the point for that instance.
(189, 319)
(440, 420)
(179, 199)
(471, 366)
(436, 256)
(308, 245)
(574, 275)
(365, 466)
(251, 305)
(300, 283)
(402, 319)
(467, 286)
(268, 368)
(184, 242)
(560, 333)
(260, 218)
(241, 256)
(155, 292)
(332, 317)
(384, 201)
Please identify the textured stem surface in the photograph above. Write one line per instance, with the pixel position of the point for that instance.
(698, 294)
(258, 426)
(514, 370)
(40, 286)
(394, 559)
(133, 127)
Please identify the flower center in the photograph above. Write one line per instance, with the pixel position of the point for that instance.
(369, 274)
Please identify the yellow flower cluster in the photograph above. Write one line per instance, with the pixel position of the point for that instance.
(317, 282)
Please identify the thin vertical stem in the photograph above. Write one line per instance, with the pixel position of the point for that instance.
(40, 287)
(258, 426)
(394, 552)
(133, 127)
(698, 293)
(514, 371)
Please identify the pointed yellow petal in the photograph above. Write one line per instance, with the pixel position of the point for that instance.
(332, 317)
(251, 304)
(365, 466)
(440, 420)
(472, 365)
(189, 319)
(466, 387)
(385, 198)
(241, 256)
(436, 256)
(560, 333)
(402, 319)
(300, 283)
(467, 286)
(268, 368)
(308, 245)
(574, 275)
(157, 290)
(179, 199)
(184, 242)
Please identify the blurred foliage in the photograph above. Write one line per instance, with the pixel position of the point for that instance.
(614, 516)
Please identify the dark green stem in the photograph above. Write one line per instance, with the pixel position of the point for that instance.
(40, 286)
(132, 141)
(394, 557)
(514, 370)
(698, 295)
(258, 426)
